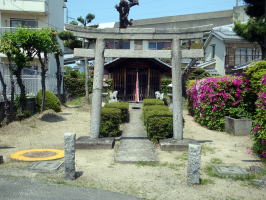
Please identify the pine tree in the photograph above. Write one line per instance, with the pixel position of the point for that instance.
(255, 29)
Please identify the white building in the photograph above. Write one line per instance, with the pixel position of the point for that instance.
(32, 14)
(224, 50)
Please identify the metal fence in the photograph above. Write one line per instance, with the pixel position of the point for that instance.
(32, 84)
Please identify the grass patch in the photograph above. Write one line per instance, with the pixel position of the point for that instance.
(158, 164)
(207, 149)
(206, 181)
(183, 157)
(216, 161)
(75, 102)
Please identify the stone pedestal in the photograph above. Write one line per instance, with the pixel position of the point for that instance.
(70, 170)
(193, 169)
(176, 145)
(238, 127)
(86, 142)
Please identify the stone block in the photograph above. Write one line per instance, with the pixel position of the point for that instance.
(238, 127)
(193, 169)
(86, 142)
(46, 166)
(230, 171)
(260, 182)
(70, 170)
(176, 145)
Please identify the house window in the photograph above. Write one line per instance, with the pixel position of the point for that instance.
(245, 55)
(117, 44)
(213, 50)
(159, 45)
(138, 44)
(24, 23)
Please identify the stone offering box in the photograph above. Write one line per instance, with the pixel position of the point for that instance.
(238, 127)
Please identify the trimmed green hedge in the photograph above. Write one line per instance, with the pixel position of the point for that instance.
(51, 101)
(123, 106)
(158, 121)
(75, 86)
(149, 111)
(159, 127)
(110, 122)
(148, 102)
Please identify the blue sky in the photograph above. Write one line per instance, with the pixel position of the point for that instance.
(105, 12)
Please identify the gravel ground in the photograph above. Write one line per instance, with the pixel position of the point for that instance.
(163, 181)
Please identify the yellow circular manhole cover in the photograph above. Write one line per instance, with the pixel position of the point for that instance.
(38, 154)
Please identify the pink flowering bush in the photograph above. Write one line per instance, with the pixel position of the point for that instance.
(211, 99)
(259, 129)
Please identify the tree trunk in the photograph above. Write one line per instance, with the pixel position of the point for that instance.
(12, 84)
(22, 98)
(5, 121)
(58, 76)
(263, 53)
(43, 76)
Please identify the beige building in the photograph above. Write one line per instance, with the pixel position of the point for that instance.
(32, 14)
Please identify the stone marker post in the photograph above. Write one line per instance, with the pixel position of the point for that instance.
(70, 171)
(96, 105)
(193, 169)
(177, 90)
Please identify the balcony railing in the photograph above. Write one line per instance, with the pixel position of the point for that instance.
(11, 29)
(39, 6)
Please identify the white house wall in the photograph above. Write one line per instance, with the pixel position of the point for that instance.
(219, 54)
(56, 21)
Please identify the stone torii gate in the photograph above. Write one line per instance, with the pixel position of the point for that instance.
(99, 53)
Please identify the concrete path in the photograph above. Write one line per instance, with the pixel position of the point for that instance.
(12, 188)
(134, 144)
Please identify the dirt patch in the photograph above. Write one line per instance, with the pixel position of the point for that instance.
(39, 154)
(163, 181)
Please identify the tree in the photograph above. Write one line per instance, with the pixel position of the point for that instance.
(84, 21)
(7, 49)
(57, 53)
(44, 42)
(11, 46)
(255, 29)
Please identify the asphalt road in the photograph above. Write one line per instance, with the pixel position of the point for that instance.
(17, 188)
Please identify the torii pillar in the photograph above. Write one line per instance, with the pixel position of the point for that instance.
(177, 90)
(97, 89)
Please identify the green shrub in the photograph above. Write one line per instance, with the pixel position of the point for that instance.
(110, 121)
(158, 121)
(74, 83)
(109, 85)
(153, 110)
(51, 101)
(198, 73)
(164, 85)
(255, 73)
(147, 102)
(123, 106)
(76, 86)
(159, 127)
(211, 99)
(259, 124)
